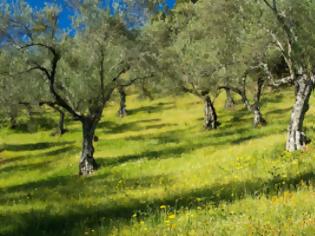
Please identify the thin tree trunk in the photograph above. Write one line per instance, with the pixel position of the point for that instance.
(258, 118)
(87, 162)
(210, 115)
(229, 102)
(122, 109)
(296, 138)
(61, 125)
(254, 108)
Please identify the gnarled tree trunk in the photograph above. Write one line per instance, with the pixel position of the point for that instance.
(87, 162)
(258, 118)
(210, 115)
(229, 102)
(296, 137)
(122, 108)
(254, 108)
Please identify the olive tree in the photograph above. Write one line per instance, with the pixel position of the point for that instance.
(290, 25)
(80, 72)
(189, 60)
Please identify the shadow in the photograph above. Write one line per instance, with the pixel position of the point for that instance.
(148, 120)
(278, 111)
(171, 152)
(275, 98)
(25, 167)
(152, 108)
(239, 116)
(68, 150)
(211, 138)
(45, 183)
(244, 139)
(47, 222)
(115, 128)
(159, 126)
(34, 146)
(226, 131)
(173, 136)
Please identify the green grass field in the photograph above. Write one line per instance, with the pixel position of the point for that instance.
(162, 174)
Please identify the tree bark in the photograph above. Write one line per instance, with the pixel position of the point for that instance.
(87, 162)
(229, 103)
(61, 125)
(258, 118)
(210, 115)
(296, 138)
(122, 109)
(254, 108)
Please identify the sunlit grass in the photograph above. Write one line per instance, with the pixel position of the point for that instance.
(162, 174)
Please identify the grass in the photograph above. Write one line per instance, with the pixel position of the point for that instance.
(162, 174)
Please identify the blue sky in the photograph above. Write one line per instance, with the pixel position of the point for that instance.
(64, 20)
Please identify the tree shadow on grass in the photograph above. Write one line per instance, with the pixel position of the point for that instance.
(45, 222)
(68, 149)
(25, 167)
(152, 108)
(63, 151)
(159, 126)
(34, 146)
(116, 128)
(279, 112)
(179, 149)
(169, 152)
(162, 137)
(110, 127)
(69, 185)
(275, 98)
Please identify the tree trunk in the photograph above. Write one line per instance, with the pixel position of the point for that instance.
(254, 108)
(61, 125)
(87, 161)
(210, 119)
(229, 103)
(296, 137)
(122, 109)
(258, 118)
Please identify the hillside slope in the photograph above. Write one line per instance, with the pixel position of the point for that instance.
(162, 174)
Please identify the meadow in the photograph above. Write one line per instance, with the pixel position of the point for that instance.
(161, 173)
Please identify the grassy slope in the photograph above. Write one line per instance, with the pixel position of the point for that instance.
(162, 174)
